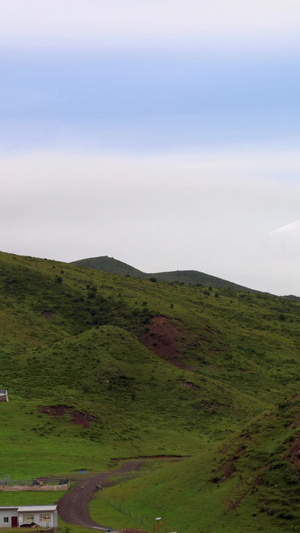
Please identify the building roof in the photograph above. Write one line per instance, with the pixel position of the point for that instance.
(33, 508)
(3, 391)
(8, 507)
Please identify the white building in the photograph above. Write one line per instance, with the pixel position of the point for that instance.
(3, 395)
(42, 515)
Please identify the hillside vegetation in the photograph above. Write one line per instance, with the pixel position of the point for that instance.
(192, 277)
(101, 366)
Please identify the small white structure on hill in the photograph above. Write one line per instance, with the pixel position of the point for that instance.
(42, 515)
(3, 395)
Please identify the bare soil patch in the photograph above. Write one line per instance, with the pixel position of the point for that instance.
(77, 417)
(165, 338)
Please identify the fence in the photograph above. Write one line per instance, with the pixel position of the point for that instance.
(10, 485)
(6, 480)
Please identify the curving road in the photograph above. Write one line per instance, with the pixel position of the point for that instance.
(73, 507)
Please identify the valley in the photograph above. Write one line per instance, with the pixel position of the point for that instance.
(102, 366)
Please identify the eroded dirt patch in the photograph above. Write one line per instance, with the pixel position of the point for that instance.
(77, 417)
(165, 338)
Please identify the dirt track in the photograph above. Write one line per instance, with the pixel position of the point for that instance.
(73, 507)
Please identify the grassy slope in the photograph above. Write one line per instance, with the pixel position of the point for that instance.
(71, 336)
(193, 277)
(246, 484)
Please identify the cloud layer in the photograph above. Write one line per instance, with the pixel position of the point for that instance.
(156, 213)
(155, 23)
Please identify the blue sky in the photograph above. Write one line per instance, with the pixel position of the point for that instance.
(166, 100)
(164, 134)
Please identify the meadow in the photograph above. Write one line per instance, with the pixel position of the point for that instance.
(155, 369)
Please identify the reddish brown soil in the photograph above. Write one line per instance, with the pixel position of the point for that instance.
(73, 507)
(77, 417)
(165, 338)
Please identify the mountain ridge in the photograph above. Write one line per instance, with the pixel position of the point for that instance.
(193, 277)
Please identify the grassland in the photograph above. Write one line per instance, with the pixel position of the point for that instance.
(219, 384)
(188, 277)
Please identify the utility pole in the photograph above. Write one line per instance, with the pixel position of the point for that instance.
(158, 519)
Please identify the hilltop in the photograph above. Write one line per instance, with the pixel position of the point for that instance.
(189, 277)
(101, 366)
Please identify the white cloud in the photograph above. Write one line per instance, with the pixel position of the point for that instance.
(284, 241)
(149, 22)
(186, 211)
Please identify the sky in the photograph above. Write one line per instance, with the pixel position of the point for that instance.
(163, 133)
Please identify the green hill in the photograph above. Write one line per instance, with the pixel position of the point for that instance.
(193, 277)
(110, 265)
(100, 366)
